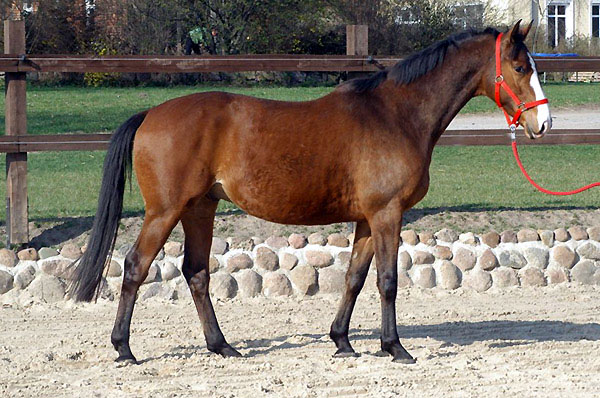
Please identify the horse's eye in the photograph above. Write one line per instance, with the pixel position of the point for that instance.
(520, 69)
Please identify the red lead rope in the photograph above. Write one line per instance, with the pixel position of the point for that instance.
(500, 83)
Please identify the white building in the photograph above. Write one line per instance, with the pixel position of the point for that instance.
(560, 19)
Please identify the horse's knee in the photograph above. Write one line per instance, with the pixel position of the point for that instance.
(133, 274)
(355, 282)
(387, 282)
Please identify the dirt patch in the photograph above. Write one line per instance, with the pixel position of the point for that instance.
(521, 342)
(56, 233)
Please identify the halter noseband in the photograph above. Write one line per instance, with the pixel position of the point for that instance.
(500, 83)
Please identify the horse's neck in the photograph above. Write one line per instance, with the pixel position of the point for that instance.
(436, 98)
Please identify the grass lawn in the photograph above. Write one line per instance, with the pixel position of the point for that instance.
(66, 184)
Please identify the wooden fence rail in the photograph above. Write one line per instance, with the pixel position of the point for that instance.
(237, 63)
(15, 63)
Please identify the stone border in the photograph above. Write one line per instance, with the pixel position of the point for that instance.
(305, 266)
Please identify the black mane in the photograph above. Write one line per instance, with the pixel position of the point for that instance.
(416, 65)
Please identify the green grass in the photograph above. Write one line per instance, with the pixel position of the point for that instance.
(66, 184)
(52, 110)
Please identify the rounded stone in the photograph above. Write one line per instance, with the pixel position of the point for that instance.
(478, 280)
(503, 277)
(424, 276)
(153, 274)
(169, 271)
(491, 239)
(578, 233)
(442, 252)
(427, 238)
(338, 240)
(594, 233)
(6, 282)
(58, 267)
(114, 269)
(409, 237)
(422, 257)
(318, 258)
(222, 285)
(563, 256)
(446, 235)
(47, 252)
(468, 238)
(29, 254)
(257, 240)
(547, 237)
(532, 276)
(276, 242)
(317, 239)
(331, 280)
(561, 235)
(213, 264)
(404, 280)
(584, 272)
(344, 259)
(305, 279)
(160, 290)
(288, 261)
(487, 261)
(249, 283)
(218, 246)
(24, 277)
(276, 284)
(71, 250)
(508, 237)
(297, 241)
(173, 249)
(536, 257)
(266, 259)
(404, 260)
(512, 259)
(8, 258)
(47, 288)
(449, 276)
(589, 250)
(557, 275)
(238, 262)
(464, 259)
(527, 235)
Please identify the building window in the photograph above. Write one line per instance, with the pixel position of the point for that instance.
(557, 23)
(595, 20)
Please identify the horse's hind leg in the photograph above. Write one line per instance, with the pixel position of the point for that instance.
(155, 231)
(362, 254)
(198, 227)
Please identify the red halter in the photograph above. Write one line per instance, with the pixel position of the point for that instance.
(500, 83)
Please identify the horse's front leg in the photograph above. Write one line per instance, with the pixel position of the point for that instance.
(362, 254)
(385, 230)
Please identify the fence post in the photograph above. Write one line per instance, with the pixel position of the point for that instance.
(17, 227)
(357, 40)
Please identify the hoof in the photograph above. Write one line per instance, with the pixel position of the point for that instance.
(407, 361)
(227, 351)
(382, 353)
(346, 353)
(125, 360)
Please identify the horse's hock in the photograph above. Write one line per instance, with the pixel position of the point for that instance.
(305, 266)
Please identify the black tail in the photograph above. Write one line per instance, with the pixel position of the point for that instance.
(88, 274)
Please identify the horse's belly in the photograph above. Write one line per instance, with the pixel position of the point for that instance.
(290, 204)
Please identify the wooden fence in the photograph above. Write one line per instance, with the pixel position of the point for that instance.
(15, 63)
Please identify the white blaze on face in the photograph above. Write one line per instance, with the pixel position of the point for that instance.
(543, 111)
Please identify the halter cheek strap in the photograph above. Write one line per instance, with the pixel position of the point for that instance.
(500, 83)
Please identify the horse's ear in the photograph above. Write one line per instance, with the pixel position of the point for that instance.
(515, 33)
(526, 30)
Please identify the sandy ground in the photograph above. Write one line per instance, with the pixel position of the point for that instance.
(585, 117)
(525, 342)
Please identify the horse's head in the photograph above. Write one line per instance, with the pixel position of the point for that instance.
(512, 81)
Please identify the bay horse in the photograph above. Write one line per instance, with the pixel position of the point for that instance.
(359, 154)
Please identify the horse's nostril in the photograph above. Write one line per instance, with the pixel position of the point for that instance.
(543, 128)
